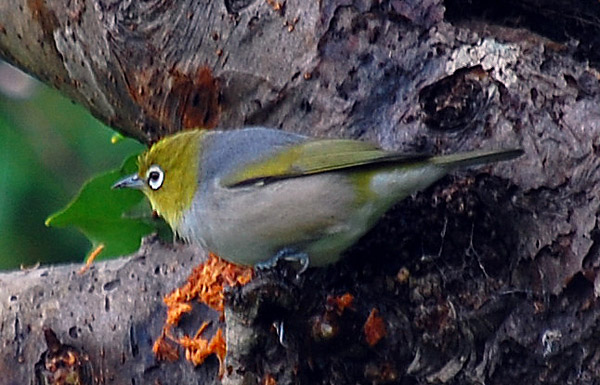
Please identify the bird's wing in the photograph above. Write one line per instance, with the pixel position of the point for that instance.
(313, 157)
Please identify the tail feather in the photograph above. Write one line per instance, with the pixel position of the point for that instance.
(473, 158)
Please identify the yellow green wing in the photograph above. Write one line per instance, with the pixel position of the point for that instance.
(314, 157)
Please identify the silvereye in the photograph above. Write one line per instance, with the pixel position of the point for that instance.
(254, 196)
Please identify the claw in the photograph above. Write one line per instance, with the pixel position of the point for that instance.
(280, 329)
(268, 264)
(304, 263)
(286, 255)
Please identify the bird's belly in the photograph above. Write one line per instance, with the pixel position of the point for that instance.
(316, 215)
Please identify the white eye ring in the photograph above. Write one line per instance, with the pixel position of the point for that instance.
(155, 177)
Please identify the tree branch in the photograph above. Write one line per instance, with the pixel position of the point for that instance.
(487, 277)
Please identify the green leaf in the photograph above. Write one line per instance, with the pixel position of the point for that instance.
(101, 213)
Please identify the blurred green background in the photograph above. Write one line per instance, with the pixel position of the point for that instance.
(48, 148)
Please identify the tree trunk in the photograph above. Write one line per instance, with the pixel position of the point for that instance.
(490, 276)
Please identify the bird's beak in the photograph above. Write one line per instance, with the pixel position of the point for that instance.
(132, 181)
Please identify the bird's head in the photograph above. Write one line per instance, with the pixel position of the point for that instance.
(167, 175)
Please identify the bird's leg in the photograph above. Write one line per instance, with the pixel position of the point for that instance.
(286, 255)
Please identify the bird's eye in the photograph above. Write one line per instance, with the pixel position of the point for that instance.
(155, 177)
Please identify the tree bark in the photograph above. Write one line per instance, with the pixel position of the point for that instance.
(487, 277)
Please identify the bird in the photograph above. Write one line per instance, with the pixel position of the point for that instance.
(255, 196)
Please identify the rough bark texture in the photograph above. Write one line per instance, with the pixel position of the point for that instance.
(111, 316)
(489, 277)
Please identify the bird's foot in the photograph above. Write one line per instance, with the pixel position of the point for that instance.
(286, 255)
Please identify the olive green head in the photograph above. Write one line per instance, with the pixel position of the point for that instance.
(167, 174)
